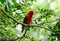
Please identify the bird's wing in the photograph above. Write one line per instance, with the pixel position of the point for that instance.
(25, 20)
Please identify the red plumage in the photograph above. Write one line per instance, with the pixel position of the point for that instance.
(27, 19)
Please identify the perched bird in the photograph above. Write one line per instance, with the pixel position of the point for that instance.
(27, 19)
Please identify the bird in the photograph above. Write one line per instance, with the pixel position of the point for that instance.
(27, 19)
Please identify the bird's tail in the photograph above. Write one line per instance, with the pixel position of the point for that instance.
(22, 28)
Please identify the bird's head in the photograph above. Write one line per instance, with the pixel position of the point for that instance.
(30, 13)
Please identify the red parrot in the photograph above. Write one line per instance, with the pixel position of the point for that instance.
(27, 19)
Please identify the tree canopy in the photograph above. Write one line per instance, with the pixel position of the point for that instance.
(45, 24)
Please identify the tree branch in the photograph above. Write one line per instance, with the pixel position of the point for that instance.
(36, 25)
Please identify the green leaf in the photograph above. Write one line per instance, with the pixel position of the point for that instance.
(2, 1)
(14, 1)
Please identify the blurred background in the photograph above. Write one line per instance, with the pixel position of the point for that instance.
(46, 17)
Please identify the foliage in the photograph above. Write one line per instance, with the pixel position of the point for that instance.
(44, 11)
